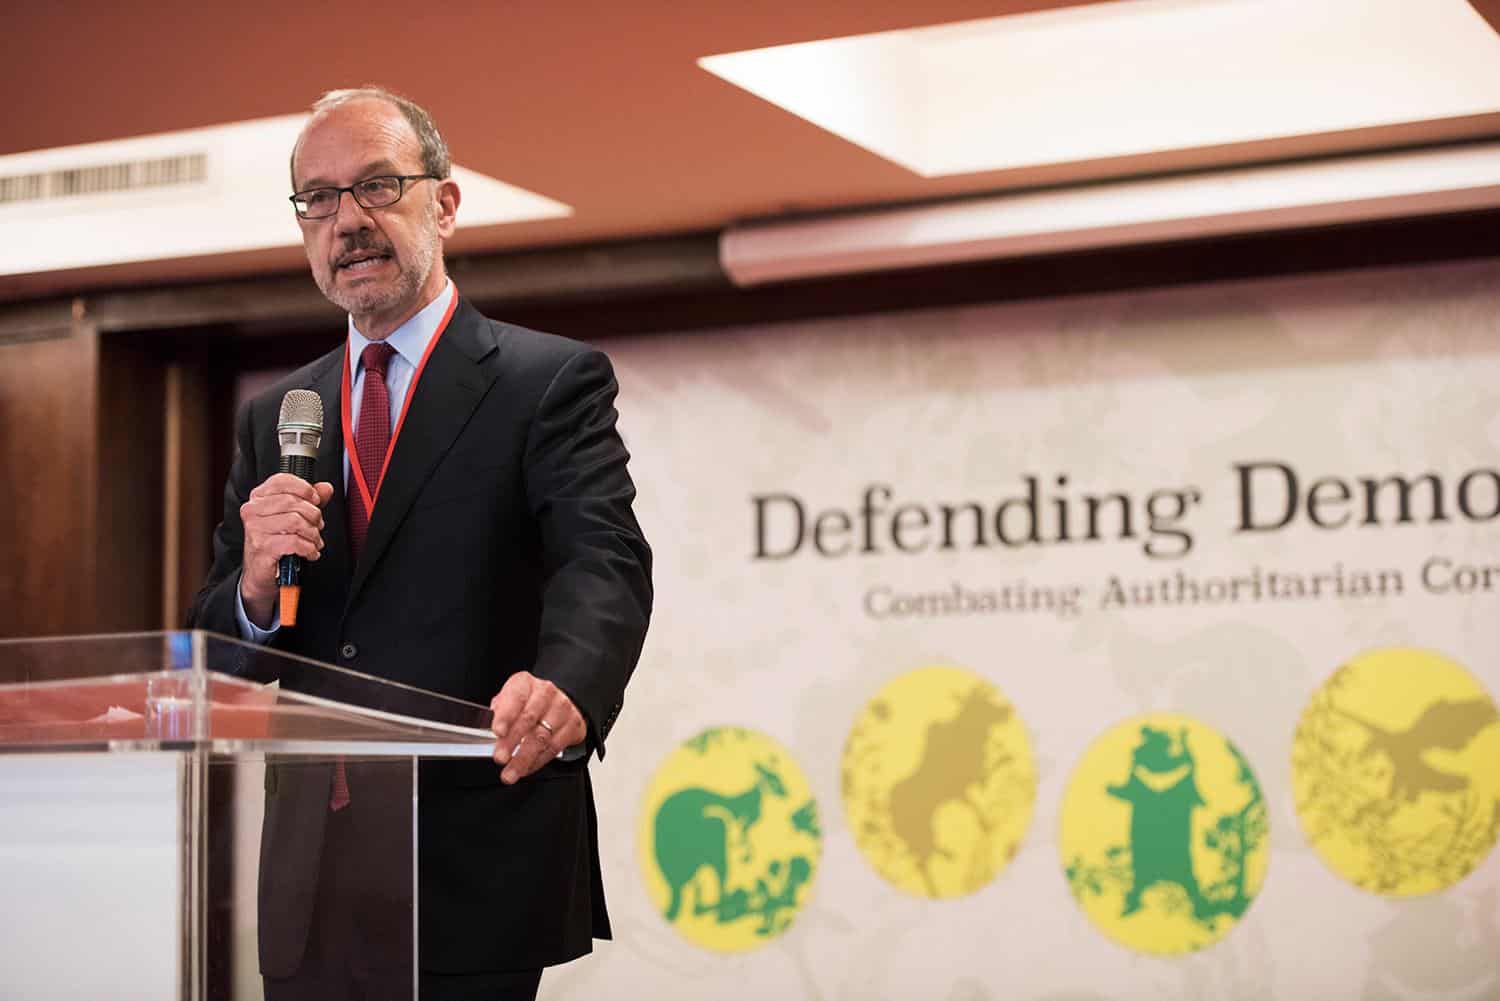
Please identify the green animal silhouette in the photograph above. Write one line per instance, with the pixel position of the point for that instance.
(1163, 794)
(697, 827)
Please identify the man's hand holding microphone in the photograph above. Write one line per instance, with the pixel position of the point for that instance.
(283, 517)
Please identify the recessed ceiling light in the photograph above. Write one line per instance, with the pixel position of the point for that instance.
(1129, 78)
(212, 190)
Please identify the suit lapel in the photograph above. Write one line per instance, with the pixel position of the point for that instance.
(329, 467)
(442, 402)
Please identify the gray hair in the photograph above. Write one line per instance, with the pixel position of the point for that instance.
(435, 159)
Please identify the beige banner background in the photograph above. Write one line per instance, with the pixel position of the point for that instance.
(1349, 375)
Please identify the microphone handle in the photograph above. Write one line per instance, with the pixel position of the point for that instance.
(289, 567)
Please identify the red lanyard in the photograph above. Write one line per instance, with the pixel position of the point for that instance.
(345, 406)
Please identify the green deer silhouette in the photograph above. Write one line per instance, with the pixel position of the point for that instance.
(697, 827)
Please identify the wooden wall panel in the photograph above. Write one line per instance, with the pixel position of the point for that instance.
(81, 422)
(48, 458)
(197, 432)
(130, 431)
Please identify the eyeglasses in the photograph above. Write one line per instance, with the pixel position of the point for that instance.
(371, 193)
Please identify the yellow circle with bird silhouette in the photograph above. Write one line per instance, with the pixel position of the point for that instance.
(1165, 836)
(729, 839)
(1396, 772)
(938, 782)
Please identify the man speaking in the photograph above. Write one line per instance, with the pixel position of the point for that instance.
(469, 530)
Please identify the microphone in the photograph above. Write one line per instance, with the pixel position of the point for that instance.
(299, 429)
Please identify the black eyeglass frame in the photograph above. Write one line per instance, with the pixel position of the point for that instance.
(404, 179)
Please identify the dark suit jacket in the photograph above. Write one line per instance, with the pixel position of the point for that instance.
(502, 540)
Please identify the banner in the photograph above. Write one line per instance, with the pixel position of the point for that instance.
(1123, 646)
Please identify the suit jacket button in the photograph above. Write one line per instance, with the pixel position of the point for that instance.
(348, 651)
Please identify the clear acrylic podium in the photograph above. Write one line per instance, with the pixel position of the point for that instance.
(168, 825)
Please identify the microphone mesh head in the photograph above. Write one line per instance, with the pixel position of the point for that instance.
(301, 422)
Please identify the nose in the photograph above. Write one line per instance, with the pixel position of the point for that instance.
(351, 217)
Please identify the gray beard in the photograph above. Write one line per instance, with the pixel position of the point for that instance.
(409, 282)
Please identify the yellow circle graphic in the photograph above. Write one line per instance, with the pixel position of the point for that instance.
(729, 839)
(938, 782)
(1396, 772)
(1165, 837)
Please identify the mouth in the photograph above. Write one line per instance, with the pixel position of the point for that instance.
(361, 262)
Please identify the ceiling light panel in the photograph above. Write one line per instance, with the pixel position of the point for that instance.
(1130, 78)
(110, 203)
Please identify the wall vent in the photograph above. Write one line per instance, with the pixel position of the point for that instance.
(104, 178)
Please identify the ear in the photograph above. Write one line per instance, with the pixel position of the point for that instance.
(448, 197)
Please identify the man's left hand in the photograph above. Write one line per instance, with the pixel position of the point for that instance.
(534, 722)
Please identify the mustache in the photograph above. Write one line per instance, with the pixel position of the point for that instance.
(361, 243)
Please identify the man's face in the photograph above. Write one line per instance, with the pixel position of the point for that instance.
(377, 264)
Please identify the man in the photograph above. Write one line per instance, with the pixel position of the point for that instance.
(496, 559)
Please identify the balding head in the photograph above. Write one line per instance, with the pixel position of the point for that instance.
(430, 145)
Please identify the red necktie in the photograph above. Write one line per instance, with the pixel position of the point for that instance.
(372, 437)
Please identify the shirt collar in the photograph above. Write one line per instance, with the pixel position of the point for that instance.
(411, 338)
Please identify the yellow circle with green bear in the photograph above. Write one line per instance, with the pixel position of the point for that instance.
(729, 839)
(938, 782)
(1165, 836)
(1396, 772)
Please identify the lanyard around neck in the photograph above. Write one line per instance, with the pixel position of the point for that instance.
(346, 395)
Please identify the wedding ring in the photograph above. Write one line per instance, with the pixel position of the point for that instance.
(545, 725)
